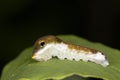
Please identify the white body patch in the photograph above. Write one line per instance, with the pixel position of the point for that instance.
(62, 51)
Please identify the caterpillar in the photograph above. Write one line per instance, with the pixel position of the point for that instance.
(51, 46)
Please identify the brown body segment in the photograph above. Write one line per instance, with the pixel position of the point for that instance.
(81, 48)
(41, 42)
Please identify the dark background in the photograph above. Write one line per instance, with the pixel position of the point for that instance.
(23, 21)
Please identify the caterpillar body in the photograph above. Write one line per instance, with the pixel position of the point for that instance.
(51, 46)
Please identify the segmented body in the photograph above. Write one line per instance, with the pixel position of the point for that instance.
(50, 46)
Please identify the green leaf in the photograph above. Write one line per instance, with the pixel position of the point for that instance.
(24, 68)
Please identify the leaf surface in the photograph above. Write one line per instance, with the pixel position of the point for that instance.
(24, 68)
